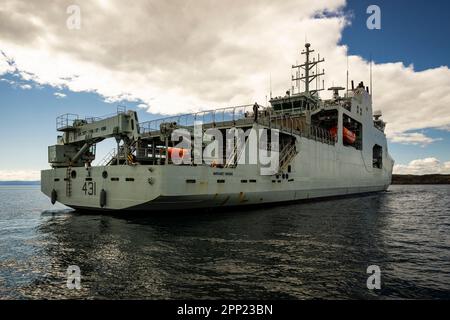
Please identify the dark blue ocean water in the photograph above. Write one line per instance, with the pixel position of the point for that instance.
(300, 251)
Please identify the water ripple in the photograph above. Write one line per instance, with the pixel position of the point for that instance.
(302, 251)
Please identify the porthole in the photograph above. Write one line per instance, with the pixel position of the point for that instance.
(105, 174)
(73, 174)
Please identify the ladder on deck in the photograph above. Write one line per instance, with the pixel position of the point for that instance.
(234, 157)
(287, 154)
(111, 156)
(132, 148)
(108, 158)
(68, 182)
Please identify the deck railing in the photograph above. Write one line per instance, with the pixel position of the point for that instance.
(66, 121)
(69, 120)
(230, 114)
(282, 120)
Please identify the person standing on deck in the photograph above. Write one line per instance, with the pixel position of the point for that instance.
(255, 111)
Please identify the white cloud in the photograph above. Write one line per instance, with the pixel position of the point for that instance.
(423, 166)
(413, 138)
(4, 65)
(25, 86)
(180, 56)
(19, 175)
(59, 95)
(7, 81)
(142, 106)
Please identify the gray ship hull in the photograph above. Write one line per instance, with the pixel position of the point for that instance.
(319, 170)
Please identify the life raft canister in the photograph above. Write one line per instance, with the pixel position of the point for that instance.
(54, 196)
(349, 136)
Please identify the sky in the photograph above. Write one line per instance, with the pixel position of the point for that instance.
(167, 57)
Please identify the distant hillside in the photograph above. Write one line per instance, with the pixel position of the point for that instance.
(425, 179)
(19, 183)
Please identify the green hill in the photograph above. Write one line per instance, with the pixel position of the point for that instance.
(421, 179)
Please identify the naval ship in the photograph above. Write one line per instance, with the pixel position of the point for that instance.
(322, 148)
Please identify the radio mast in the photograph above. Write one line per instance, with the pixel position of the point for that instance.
(307, 67)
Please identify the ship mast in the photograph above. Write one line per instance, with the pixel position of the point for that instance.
(309, 75)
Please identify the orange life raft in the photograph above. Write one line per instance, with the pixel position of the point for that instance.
(349, 136)
(181, 153)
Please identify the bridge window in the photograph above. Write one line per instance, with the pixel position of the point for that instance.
(377, 156)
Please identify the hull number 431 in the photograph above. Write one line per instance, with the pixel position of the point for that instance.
(89, 188)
